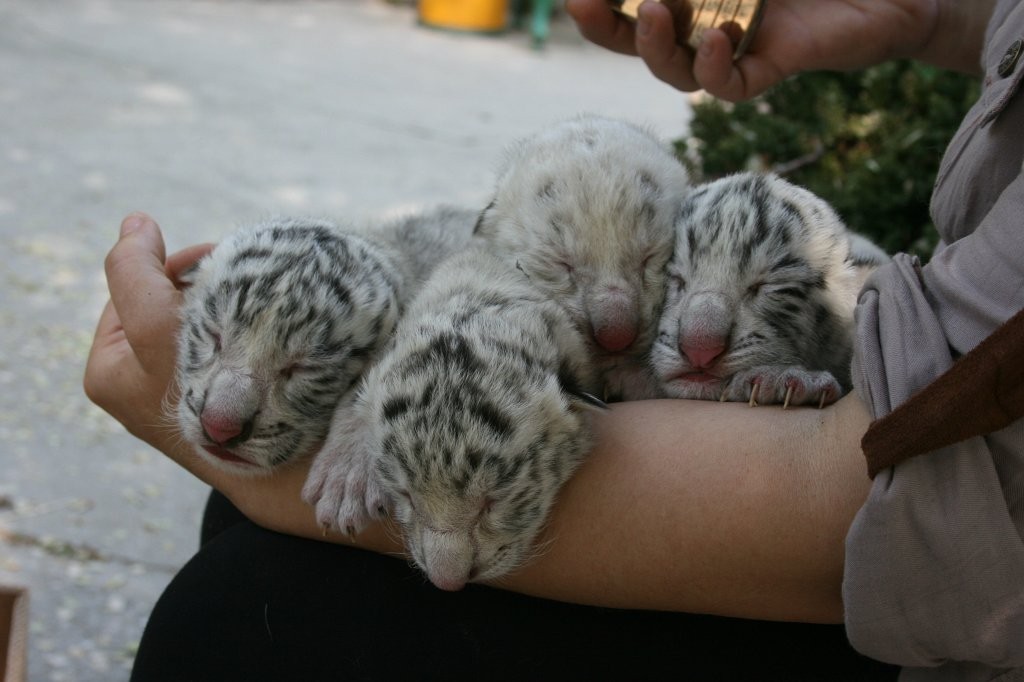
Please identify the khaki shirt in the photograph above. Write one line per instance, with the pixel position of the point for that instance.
(934, 577)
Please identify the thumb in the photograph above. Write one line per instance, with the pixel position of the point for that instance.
(143, 295)
(140, 247)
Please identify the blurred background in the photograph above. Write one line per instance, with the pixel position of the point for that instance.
(208, 114)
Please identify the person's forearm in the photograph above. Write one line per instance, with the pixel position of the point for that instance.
(274, 501)
(957, 35)
(685, 506)
(710, 508)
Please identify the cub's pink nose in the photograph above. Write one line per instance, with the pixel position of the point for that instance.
(220, 428)
(702, 356)
(615, 338)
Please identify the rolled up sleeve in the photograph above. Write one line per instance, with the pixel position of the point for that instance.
(935, 559)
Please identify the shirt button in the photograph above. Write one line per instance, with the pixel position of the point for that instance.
(1010, 59)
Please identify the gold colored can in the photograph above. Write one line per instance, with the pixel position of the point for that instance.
(738, 18)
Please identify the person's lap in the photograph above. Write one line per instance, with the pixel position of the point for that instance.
(254, 604)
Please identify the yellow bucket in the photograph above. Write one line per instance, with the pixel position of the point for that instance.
(487, 16)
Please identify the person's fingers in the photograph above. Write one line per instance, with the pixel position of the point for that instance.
(721, 76)
(179, 263)
(145, 299)
(656, 44)
(713, 65)
(104, 354)
(113, 375)
(108, 329)
(599, 24)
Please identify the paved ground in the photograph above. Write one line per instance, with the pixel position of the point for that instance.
(207, 114)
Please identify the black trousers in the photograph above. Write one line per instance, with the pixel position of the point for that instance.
(256, 605)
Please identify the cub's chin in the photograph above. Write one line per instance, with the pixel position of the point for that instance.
(240, 462)
(694, 386)
(232, 461)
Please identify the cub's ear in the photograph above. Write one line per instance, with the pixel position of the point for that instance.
(578, 397)
(484, 222)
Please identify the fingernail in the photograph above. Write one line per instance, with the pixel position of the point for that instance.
(706, 49)
(643, 23)
(132, 223)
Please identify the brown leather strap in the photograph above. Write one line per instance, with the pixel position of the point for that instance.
(982, 392)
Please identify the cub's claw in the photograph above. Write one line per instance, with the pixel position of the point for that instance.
(783, 385)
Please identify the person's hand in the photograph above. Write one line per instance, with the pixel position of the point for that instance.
(130, 374)
(131, 364)
(794, 35)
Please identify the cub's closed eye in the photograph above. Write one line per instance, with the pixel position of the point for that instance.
(213, 335)
(407, 497)
(678, 281)
(487, 505)
(295, 368)
(653, 259)
(651, 267)
(555, 270)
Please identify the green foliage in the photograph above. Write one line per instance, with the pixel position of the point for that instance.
(869, 142)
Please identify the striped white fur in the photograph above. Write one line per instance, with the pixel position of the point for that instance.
(469, 423)
(280, 321)
(586, 209)
(762, 287)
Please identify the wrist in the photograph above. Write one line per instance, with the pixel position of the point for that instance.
(956, 34)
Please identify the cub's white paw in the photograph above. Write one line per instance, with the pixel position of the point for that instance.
(783, 385)
(341, 484)
(344, 490)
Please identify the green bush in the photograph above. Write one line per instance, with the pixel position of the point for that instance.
(869, 142)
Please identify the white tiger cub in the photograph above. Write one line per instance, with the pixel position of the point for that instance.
(586, 209)
(762, 287)
(279, 322)
(468, 424)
